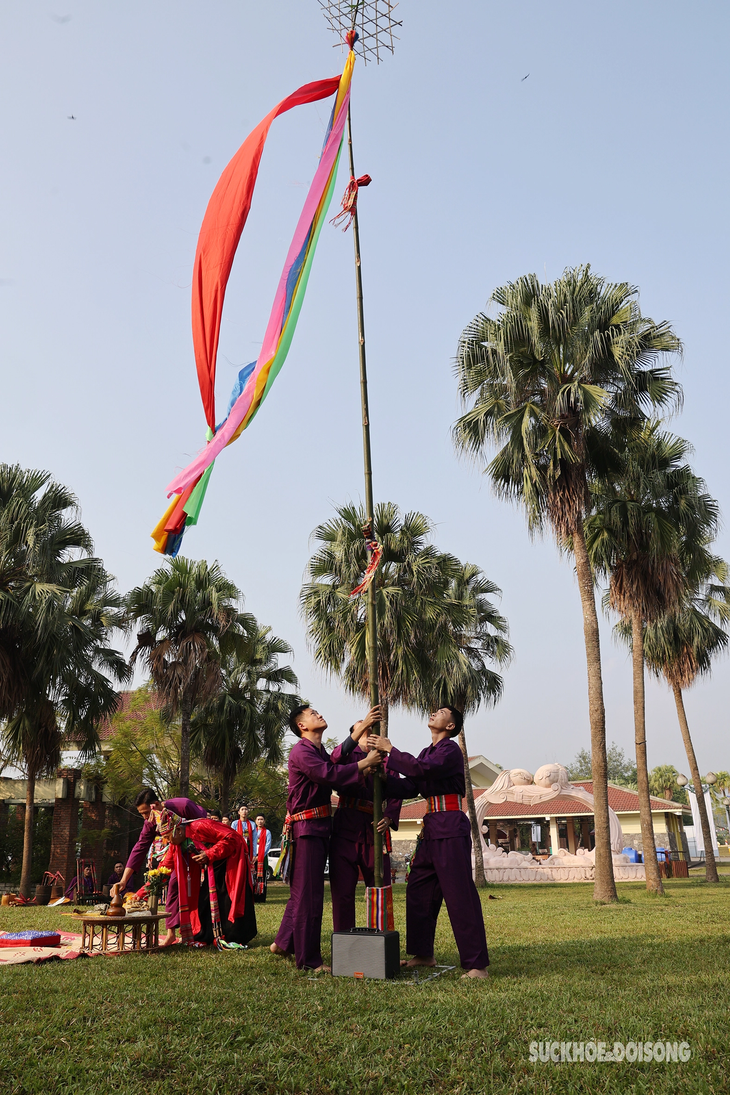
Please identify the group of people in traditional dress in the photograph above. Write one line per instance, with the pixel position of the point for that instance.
(258, 839)
(219, 870)
(210, 890)
(440, 869)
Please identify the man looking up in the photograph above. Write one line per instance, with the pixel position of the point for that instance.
(353, 836)
(312, 776)
(150, 809)
(441, 864)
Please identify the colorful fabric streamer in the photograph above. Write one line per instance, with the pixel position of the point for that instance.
(220, 233)
(379, 908)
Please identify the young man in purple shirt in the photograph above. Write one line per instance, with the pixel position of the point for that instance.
(441, 864)
(148, 806)
(353, 837)
(312, 777)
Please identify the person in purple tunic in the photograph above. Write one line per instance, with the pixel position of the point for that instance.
(150, 809)
(312, 776)
(115, 879)
(441, 865)
(352, 843)
(87, 885)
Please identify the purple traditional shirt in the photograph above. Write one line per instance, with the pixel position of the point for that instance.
(312, 777)
(353, 824)
(184, 807)
(116, 878)
(437, 770)
(87, 886)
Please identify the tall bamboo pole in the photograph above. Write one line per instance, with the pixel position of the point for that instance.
(371, 618)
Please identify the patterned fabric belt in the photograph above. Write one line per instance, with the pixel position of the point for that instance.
(442, 804)
(307, 815)
(360, 804)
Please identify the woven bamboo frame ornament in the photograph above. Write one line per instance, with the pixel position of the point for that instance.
(372, 19)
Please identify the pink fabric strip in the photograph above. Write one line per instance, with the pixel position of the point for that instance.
(273, 330)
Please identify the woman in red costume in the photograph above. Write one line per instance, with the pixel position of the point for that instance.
(219, 908)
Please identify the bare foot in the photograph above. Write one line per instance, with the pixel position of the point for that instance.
(169, 939)
(278, 951)
(322, 969)
(409, 963)
(481, 974)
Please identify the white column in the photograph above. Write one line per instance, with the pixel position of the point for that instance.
(554, 835)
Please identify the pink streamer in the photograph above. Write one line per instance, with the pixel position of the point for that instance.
(276, 320)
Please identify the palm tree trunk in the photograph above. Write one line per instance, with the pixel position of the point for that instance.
(710, 865)
(25, 871)
(604, 887)
(479, 878)
(186, 709)
(225, 792)
(651, 866)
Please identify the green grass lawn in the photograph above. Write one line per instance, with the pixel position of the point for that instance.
(563, 969)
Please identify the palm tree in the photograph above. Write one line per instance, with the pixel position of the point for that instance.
(189, 620)
(464, 643)
(663, 783)
(544, 381)
(437, 628)
(410, 585)
(680, 647)
(649, 520)
(246, 720)
(43, 546)
(58, 610)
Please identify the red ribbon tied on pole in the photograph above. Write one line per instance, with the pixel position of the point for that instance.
(349, 202)
(375, 551)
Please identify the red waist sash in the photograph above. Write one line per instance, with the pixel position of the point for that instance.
(307, 815)
(443, 804)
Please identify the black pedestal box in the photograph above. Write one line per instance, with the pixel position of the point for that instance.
(364, 952)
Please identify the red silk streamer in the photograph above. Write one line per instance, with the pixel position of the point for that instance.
(349, 202)
(376, 553)
(260, 879)
(220, 232)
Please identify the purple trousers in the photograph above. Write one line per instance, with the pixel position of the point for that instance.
(301, 926)
(345, 858)
(441, 871)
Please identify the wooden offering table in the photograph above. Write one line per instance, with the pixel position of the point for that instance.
(135, 932)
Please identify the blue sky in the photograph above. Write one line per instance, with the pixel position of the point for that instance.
(613, 151)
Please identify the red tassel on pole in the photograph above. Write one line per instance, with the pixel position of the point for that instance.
(349, 202)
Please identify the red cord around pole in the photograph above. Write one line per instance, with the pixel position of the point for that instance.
(349, 202)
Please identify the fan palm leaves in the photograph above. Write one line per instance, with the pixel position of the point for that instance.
(58, 612)
(648, 533)
(246, 720)
(546, 382)
(470, 635)
(409, 586)
(680, 647)
(189, 620)
(438, 631)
